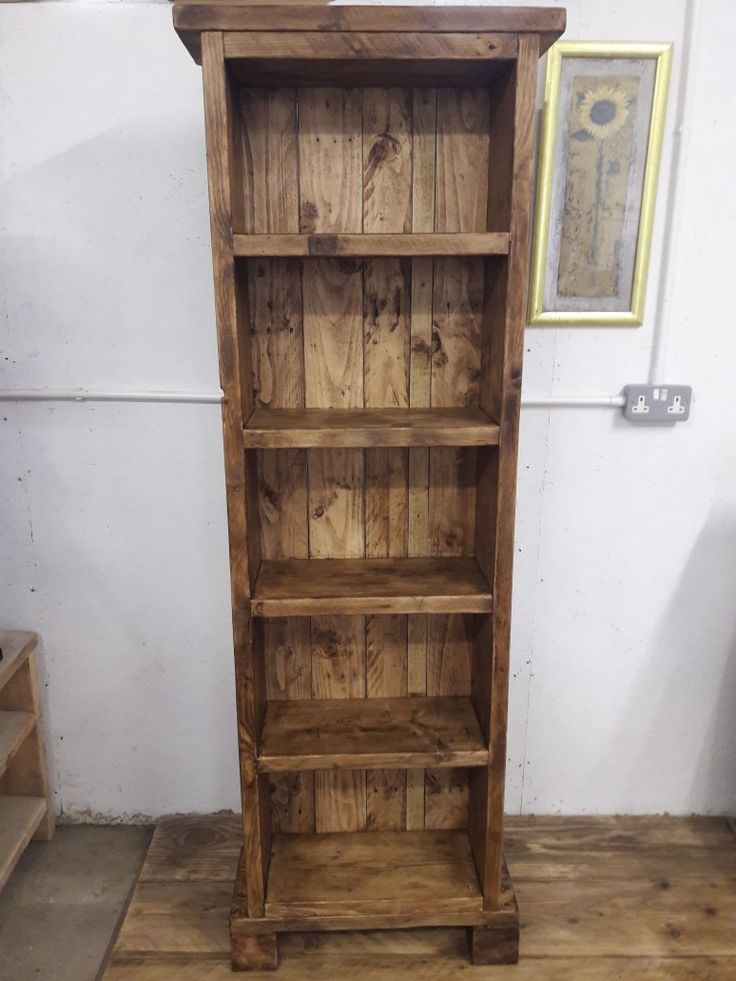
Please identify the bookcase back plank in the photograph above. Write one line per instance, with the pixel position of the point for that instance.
(387, 196)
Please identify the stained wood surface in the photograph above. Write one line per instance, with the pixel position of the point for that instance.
(275, 312)
(284, 428)
(637, 899)
(376, 732)
(330, 201)
(376, 244)
(386, 334)
(407, 46)
(227, 211)
(299, 587)
(387, 207)
(380, 277)
(371, 872)
(20, 818)
(503, 347)
(190, 18)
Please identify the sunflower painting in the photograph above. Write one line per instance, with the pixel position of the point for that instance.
(601, 152)
(598, 169)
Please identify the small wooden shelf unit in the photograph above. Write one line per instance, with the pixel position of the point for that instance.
(25, 807)
(370, 174)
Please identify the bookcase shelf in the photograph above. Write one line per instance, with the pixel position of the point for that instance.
(14, 727)
(304, 428)
(353, 246)
(313, 587)
(25, 808)
(404, 872)
(370, 175)
(392, 733)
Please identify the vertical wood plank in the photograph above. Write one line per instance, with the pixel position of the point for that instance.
(269, 160)
(333, 333)
(424, 150)
(387, 160)
(278, 376)
(461, 201)
(270, 204)
(513, 125)
(338, 671)
(448, 673)
(330, 161)
(288, 661)
(387, 186)
(336, 527)
(462, 196)
(462, 159)
(331, 200)
(283, 503)
(386, 667)
(234, 367)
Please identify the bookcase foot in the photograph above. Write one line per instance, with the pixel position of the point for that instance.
(495, 944)
(253, 951)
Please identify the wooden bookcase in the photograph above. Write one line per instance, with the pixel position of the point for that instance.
(370, 175)
(26, 811)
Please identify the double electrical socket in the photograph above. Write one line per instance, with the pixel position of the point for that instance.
(657, 403)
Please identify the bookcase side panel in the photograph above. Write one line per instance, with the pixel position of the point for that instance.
(513, 125)
(225, 183)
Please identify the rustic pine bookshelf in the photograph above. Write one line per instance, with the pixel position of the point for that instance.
(370, 175)
(26, 811)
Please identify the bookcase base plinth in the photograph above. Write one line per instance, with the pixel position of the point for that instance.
(497, 943)
(493, 935)
(253, 951)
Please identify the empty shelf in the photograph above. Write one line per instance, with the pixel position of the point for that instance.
(14, 727)
(19, 820)
(372, 872)
(417, 244)
(395, 733)
(282, 428)
(310, 587)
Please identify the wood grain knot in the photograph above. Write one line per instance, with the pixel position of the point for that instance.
(322, 244)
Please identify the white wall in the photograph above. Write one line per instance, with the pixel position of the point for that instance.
(112, 521)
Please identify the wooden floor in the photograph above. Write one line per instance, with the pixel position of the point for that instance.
(600, 898)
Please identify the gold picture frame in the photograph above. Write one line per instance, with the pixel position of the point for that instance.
(598, 274)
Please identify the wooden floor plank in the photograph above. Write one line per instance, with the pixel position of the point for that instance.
(629, 917)
(661, 849)
(593, 906)
(194, 847)
(310, 964)
(179, 917)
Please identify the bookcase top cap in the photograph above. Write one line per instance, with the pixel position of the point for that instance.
(191, 17)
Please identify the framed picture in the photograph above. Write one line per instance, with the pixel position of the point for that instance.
(602, 128)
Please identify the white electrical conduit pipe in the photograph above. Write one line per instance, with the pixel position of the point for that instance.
(673, 212)
(83, 395)
(656, 369)
(88, 395)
